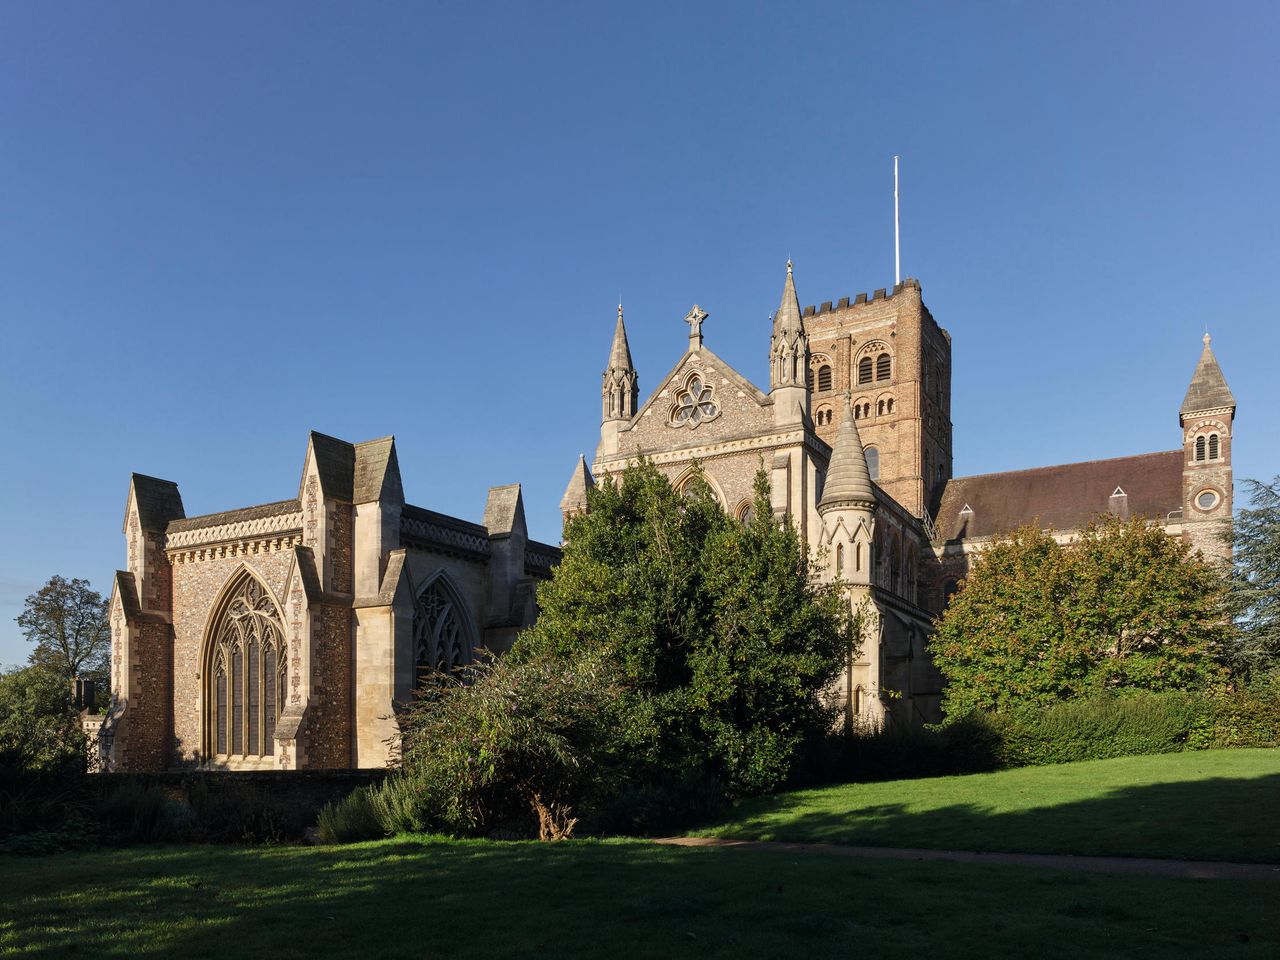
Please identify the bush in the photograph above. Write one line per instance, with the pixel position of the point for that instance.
(1106, 725)
(355, 817)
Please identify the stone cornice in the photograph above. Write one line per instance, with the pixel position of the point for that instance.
(260, 535)
(717, 449)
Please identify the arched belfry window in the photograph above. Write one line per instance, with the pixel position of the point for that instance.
(864, 370)
(1213, 446)
(873, 462)
(245, 678)
(884, 367)
(441, 630)
(1199, 448)
(824, 378)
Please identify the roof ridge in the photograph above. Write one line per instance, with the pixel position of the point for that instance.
(1073, 463)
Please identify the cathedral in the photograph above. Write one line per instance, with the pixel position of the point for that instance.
(854, 432)
(281, 636)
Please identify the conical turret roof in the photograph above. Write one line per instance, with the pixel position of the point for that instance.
(1208, 386)
(620, 354)
(788, 319)
(575, 495)
(848, 479)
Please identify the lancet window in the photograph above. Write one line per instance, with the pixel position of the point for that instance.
(246, 680)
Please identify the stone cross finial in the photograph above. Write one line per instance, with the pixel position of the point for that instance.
(694, 320)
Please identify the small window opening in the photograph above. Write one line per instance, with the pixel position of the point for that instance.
(864, 370)
(884, 367)
(1213, 446)
(824, 378)
(1199, 448)
(873, 462)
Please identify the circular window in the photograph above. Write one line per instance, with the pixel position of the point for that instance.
(1207, 500)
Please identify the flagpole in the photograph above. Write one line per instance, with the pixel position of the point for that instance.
(897, 240)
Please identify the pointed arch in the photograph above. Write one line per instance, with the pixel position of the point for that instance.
(681, 483)
(444, 637)
(242, 669)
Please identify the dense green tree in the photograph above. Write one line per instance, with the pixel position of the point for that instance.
(679, 657)
(1123, 606)
(716, 630)
(1255, 582)
(66, 620)
(39, 729)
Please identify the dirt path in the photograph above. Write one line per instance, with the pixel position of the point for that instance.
(1200, 869)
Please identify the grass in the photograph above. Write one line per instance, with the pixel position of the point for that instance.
(427, 898)
(1204, 805)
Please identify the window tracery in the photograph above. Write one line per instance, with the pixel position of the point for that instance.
(245, 687)
(694, 404)
(441, 640)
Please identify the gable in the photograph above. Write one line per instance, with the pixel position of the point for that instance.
(726, 404)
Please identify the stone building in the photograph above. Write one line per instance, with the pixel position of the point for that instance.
(281, 636)
(855, 435)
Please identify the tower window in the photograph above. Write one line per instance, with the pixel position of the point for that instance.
(1199, 448)
(889, 404)
(873, 462)
(1213, 446)
(839, 559)
(880, 408)
(824, 378)
(884, 367)
(864, 370)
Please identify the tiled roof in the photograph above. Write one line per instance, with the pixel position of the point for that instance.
(1064, 497)
(236, 516)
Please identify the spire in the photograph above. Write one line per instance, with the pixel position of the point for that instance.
(575, 494)
(1208, 387)
(787, 320)
(620, 355)
(848, 480)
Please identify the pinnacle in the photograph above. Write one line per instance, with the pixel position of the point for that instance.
(787, 319)
(620, 354)
(1208, 387)
(848, 479)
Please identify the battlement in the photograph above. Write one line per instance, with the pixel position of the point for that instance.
(861, 299)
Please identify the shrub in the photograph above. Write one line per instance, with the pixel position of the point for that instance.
(355, 817)
(1106, 725)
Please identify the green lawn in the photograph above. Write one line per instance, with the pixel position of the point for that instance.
(1206, 805)
(422, 898)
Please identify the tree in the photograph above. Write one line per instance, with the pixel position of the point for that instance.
(67, 622)
(678, 656)
(39, 729)
(717, 632)
(1124, 606)
(1255, 581)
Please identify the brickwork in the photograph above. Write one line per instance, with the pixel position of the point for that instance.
(328, 733)
(341, 546)
(150, 722)
(198, 587)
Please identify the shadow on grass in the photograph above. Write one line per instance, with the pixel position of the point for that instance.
(422, 898)
(1212, 819)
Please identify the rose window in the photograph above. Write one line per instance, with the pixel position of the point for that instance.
(694, 404)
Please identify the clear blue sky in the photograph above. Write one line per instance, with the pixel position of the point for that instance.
(224, 225)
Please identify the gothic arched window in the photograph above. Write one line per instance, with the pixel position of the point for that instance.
(864, 370)
(1213, 446)
(245, 679)
(873, 462)
(884, 367)
(824, 378)
(1199, 448)
(441, 637)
